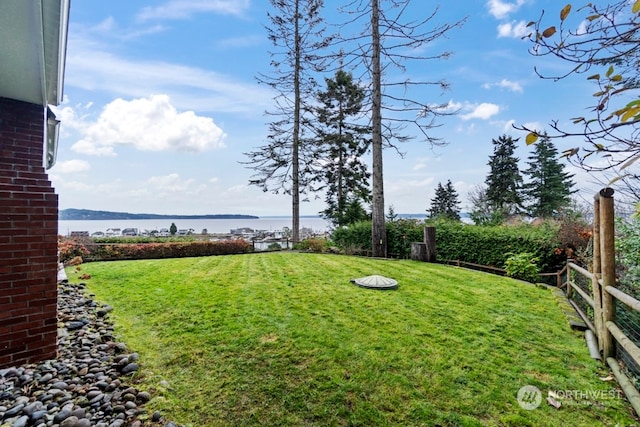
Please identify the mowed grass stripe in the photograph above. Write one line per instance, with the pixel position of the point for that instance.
(285, 339)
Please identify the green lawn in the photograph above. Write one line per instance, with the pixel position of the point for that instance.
(285, 339)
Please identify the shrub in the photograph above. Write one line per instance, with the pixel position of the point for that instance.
(400, 234)
(313, 244)
(354, 239)
(574, 238)
(118, 251)
(143, 239)
(628, 254)
(522, 266)
(71, 248)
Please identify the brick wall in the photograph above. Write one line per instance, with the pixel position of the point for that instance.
(28, 239)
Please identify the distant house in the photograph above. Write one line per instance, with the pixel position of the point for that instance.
(129, 231)
(79, 234)
(114, 232)
(32, 61)
(244, 232)
(278, 234)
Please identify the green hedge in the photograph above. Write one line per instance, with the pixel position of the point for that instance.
(483, 245)
(354, 239)
(91, 251)
(492, 245)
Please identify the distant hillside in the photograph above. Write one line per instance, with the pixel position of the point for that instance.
(86, 214)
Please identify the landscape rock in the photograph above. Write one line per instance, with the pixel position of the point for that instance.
(87, 385)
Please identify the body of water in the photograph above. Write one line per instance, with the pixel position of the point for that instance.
(317, 224)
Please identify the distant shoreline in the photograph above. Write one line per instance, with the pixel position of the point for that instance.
(91, 215)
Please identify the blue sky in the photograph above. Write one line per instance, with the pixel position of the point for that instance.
(161, 102)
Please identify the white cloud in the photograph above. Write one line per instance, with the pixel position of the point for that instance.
(172, 183)
(91, 149)
(501, 9)
(505, 84)
(449, 107)
(513, 29)
(91, 68)
(536, 126)
(109, 29)
(508, 126)
(239, 42)
(482, 111)
(107, 25)
(80, 186)
(582, 28)
(424, 162)
(467, 128)
(399, 190)
(71, 166)
(182, 9)
(149, 124)
(70, 118)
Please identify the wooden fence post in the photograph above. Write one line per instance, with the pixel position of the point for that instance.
(418, 251)
(608, 263)
(430, 241)
(597, 273)
(569, 281)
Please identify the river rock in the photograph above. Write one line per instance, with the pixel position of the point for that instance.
(89, 379)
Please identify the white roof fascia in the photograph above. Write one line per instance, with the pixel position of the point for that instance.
(55, 30)
(37, 25)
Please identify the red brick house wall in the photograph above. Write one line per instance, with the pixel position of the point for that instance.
(28, 238)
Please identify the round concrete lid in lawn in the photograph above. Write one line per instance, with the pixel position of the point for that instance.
(376, 282)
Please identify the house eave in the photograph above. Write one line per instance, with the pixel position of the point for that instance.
(33, 50)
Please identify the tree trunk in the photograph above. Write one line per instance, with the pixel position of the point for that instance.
(378, 229)
(418, 251)
(430, 244)
(295, 166)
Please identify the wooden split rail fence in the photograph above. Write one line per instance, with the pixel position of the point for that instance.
(602, 296)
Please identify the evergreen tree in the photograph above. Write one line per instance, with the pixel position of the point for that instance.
(354, 212)
(504, 181)
(343, 174)
(391, 214)
(297, 34)
(173, 229)
(549, 187)
(445, 203)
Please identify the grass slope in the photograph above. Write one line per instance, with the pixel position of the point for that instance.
(285, 339)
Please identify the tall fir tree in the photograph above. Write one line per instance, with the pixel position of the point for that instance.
(297, 34)
(504, 181)
(342, 143)
(445, 203)
(549, 188)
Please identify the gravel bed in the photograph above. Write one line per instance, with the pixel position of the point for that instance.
(89, 384)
